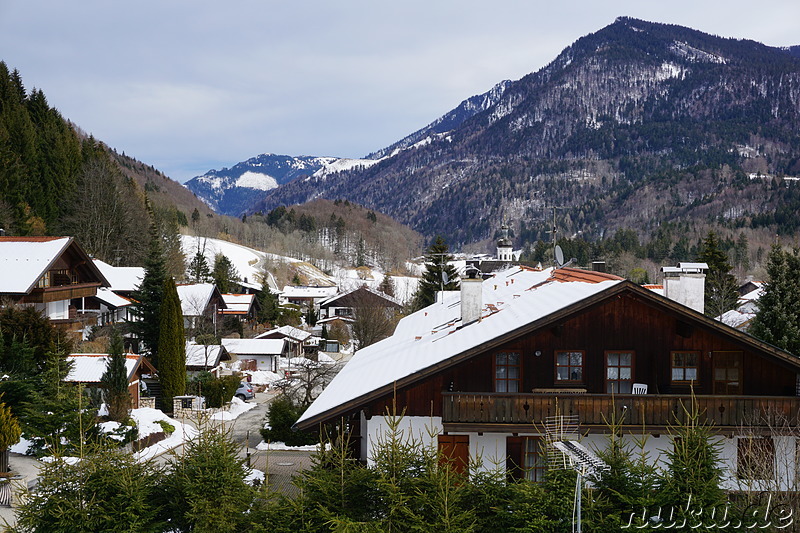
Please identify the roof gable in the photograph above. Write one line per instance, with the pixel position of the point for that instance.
(516, 302)
(23, 261)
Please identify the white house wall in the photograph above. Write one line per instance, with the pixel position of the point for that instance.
(491, 449)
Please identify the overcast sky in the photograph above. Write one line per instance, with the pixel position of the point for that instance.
(187, 86)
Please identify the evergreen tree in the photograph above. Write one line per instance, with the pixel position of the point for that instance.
(268, 310)
(107, 490)
(198, 271)
(387, 285)
(778, 319)
(439, 274)
(115, 381)
(172, 347)
(205, 489)
(721, 290)
(150, 295)
(224, 274)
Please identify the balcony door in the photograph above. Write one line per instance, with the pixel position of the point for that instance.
(619, 372)
(727, 372)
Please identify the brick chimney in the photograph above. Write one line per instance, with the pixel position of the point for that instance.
(471, 296)
(686, 284)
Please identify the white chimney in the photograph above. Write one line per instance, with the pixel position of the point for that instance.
(686, 284)
(471, 296)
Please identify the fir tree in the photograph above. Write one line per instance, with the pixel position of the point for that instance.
(268, 310)
(172, 347)
(224, 274)
(205, 489)
(387, 285)
(439, 274)
(778, 319)
(721, 291)
(198, 270)
(150, 295)
(115, 381)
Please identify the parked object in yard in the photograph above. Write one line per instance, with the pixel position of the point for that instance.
(245, 391)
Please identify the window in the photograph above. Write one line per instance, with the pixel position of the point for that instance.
(727, 375)
(685, 366)
(507, 372)
(755, 458)
(569, 366)
(619, 372)
(526, 458)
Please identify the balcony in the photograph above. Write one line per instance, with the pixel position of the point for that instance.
(513, 412)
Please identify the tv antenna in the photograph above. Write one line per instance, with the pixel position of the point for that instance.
(556, 248)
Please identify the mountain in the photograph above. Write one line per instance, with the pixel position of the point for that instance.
(634, 126)
(232, 191)
(235, 190)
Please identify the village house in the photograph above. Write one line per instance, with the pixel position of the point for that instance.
(479, 372)
(113, 304)
(257, 354)
(52, 274)
(306, 297)
(200, 305)
(205, 358)
(344, 305)
(296, 339)
(88, 369)
(242, 306)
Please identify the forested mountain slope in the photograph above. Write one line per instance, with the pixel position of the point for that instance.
(633, 126)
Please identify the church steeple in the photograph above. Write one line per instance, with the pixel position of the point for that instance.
(504, 246)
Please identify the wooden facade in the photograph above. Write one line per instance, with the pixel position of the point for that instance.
(736, 379)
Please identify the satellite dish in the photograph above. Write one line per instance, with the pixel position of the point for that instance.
(445, 278)
(559, 256)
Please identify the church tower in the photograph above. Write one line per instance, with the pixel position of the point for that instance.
(504, 248)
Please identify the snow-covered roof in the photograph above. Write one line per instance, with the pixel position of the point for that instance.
(254, 346)
(195, 298)
(286, 331)
(291, 291)
(511, 299)
(124, 279)
(90, 367)
(112, 299)
(202, 355)
(685, 268)
(238, 303)
(377, 293)
(23, 260)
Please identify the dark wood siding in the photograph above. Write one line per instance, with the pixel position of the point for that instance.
(622, 322)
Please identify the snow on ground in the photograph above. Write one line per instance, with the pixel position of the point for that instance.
(21, 447)
(147, 421)
(264, 446)
(254, 477)
(232, 411)
(249, 262)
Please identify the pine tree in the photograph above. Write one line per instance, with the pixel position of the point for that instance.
(198, 271)
(778, 319)
(387, 285)
(172, 347)
(439, 274)
(150, 295)
(268, 310)
(224, 274)
(721, 291)
(115, 381)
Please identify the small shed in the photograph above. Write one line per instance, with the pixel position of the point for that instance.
(264, 352)
(88, 369)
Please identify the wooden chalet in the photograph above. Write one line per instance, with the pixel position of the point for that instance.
(488, 365)
(345, 304)
(52, 274)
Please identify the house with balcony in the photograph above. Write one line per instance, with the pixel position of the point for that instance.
(344, 305)
(52, 274)
(480, 372)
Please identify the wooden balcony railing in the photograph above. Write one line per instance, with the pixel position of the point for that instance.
(653, 410)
